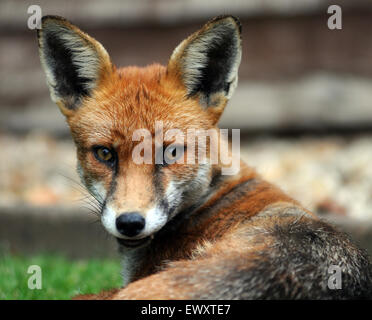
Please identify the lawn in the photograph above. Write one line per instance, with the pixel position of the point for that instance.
(61, 278)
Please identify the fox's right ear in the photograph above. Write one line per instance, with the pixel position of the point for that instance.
(74, 63)
(206, 63)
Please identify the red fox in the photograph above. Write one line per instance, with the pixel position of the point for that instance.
(186, 230)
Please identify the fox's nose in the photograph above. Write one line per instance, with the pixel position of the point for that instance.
(130, 224)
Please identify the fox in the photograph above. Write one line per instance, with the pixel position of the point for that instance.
(186, 230)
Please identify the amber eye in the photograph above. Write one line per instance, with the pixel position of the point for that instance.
(104, 154)
(173, 153)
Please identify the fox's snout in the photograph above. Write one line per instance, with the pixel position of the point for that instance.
(133, 225)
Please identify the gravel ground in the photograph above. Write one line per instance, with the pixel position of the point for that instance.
(329, 175)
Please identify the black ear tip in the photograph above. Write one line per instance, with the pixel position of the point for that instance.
(237, 21)
(228, 17)
(45, 20)
(52, 18)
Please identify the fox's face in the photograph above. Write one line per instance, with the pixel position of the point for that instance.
(111, 111)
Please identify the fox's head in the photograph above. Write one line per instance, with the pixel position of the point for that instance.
(107, 107)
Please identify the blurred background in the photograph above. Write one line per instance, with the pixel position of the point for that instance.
(303, 104)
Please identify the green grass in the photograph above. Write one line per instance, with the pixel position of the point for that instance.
(61, 278)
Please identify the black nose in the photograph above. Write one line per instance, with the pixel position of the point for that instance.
(130, 224)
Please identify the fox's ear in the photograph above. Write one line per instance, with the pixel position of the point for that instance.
(74, 63)
(207, 62)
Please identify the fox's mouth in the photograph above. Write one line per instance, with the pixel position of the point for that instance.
(134, 243)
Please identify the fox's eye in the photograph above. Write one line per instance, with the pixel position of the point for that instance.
(173, 153)
(104, 154)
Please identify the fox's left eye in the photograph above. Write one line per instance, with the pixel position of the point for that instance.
(104, 154)
(173, 153)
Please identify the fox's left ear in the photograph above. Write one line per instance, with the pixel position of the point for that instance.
(75, 64)
(207, 62)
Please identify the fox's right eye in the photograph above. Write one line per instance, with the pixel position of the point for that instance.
(104, 154)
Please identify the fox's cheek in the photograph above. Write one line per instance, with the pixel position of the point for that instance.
(98, 190)
(181, 172)
(96, 183)
(184, 190)
(173, 196)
